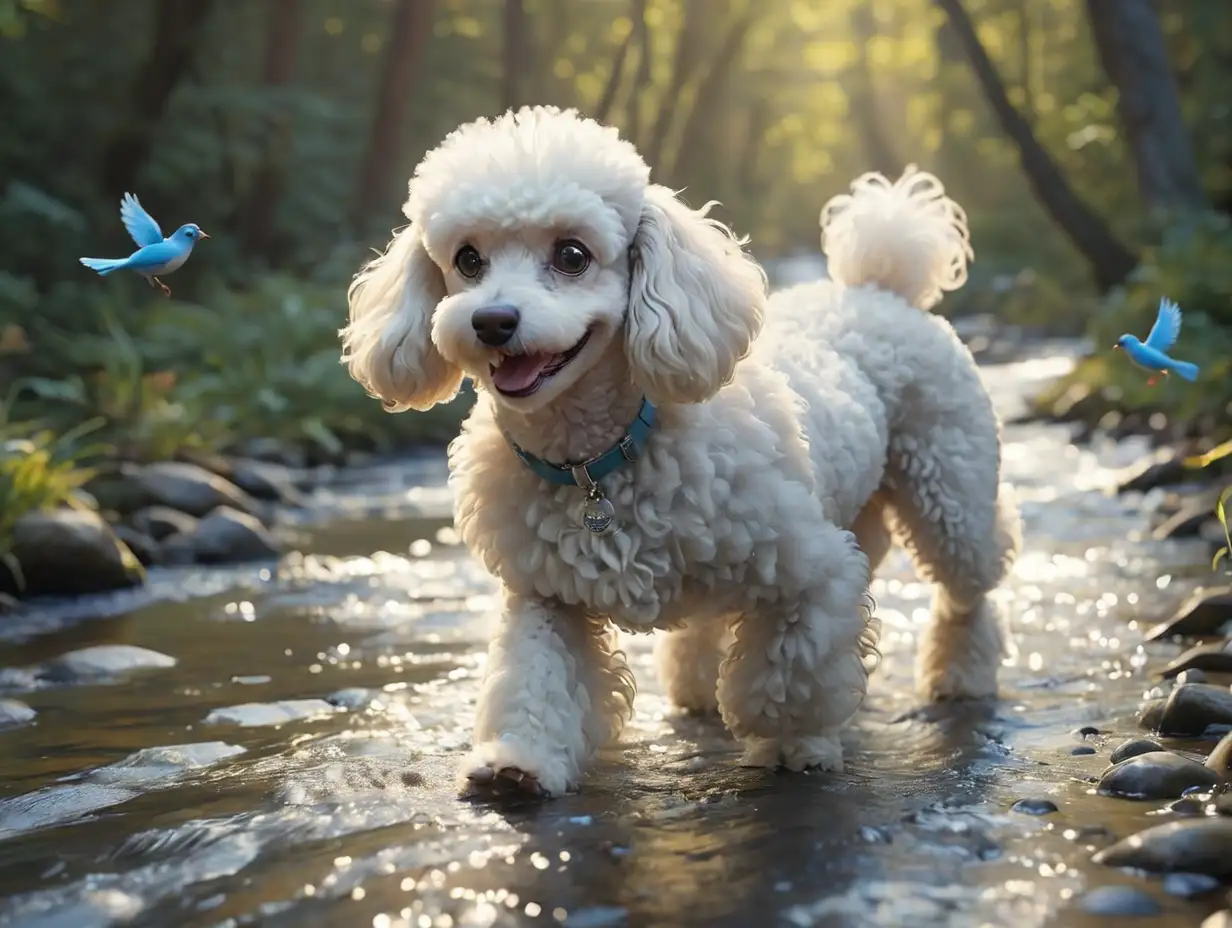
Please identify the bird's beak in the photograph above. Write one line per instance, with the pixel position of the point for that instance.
(203, 235)
(1115, 347)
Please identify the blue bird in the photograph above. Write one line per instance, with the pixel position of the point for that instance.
(155, 255)
(1153, 354)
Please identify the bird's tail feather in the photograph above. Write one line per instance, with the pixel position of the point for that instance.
(1185, 370)
(103, 266)
(906, 237)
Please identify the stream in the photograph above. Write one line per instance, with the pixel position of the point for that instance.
(285, 755)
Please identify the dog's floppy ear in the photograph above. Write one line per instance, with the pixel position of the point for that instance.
(696, 301)
(387, 346)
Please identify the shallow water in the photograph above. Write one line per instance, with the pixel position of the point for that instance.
(338, 809)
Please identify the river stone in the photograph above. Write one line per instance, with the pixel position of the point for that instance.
(1204, 614)
(257, 714)
(1220, 758)
(1151, 713)
(265, 480)
(1133, 748)
(14, 713)
(191, 488)
(1165, 467)
(1191, 845)
(1119, 900)
(144, 548)
(103, 660)
(1034, 806)
(227, 536)
(71, 552)
(1213, 658)
(1157, 775)
(1194, 706)
(161, 522)
(1191, 676)
(1189, 885)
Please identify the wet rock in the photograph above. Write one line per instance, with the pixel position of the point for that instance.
(1082, 749)
(1151, 714)
(353, 698)
(101, 661)
(70, 552)
(14, 714)
(1204, 614)
(1194, 845)
(150, 765)
(1187, 807)
(1133, 748)
(1157, 775)
(1186, 522)
(1165, 467)
(1223, 804)
(1189, 885)
(225, 536)
(266, 480)
(191, 488)
(1034, 806)
(1220, 759)
(144, 548)
(257, 714)
(1086, 731)
(112, 489)
(1194, 706)
(1192, 675)
(1119, 900)
(270, 450)
(161, 522)
(1213, 658)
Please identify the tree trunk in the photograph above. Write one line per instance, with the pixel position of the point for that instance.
(1131, 49)
(515, 54)
(282, 37)
(603, 109)
(1110, 261)
(177, 28)
(642, 77)
(705, 114)
(865, 112)
(684, 63)
(411, 22)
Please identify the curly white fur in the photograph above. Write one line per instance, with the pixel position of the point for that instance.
(781, 461)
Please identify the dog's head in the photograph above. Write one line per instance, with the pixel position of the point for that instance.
(536, 240)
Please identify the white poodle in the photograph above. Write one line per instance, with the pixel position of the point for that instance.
(641, 457)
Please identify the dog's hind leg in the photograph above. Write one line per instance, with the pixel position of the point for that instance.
(963, 532)
(688, 660)
(872, 533)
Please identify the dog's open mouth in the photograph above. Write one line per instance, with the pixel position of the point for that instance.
(524, 374)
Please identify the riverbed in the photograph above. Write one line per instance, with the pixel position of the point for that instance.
(286, 757)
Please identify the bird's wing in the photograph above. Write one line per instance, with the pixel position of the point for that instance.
(1166, 328)
(140, 224)
(154, 256)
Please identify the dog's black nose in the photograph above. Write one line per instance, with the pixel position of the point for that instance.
(495, 325)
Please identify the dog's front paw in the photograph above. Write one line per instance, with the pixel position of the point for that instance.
(508, 768)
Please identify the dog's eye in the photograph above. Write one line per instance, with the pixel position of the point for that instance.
(468, 261)
(571, 258)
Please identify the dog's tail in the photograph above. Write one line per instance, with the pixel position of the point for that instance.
(906, 237)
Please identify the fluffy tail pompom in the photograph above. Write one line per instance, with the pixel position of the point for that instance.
(906, 237)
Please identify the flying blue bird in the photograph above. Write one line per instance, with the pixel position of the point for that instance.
(155, 255)
(1152, 355)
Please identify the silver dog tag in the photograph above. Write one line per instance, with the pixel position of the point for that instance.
(598, 513)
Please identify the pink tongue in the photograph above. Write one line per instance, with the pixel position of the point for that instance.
(517, 372)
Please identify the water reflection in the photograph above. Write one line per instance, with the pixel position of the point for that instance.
(319, 709)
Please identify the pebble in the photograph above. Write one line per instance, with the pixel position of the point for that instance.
(1192, 845)
(1157, 775)
(1086, 731)
(1133, 748)
(1119, 900)
(1223, 804)
(1082, 749)
(1220, 758)
(1194, 706)
(104, 660)
(1192, 675)
(1189, 884)
(1204, 614)
(1034, 806)
(1211, 658)
(1151, 713)
(1187, 807)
